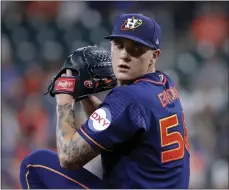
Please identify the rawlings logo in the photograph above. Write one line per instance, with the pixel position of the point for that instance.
(88, 84)
(66, 84)
(131, 24)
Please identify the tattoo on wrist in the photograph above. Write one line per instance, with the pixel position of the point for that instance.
(66, 113)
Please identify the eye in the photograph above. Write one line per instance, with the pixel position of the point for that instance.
(137, 49)
(119, 44)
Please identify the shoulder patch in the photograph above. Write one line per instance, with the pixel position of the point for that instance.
(100, 119)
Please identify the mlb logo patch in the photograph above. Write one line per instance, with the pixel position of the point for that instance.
(100, 119)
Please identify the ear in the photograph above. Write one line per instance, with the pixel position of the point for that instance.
(155, 55)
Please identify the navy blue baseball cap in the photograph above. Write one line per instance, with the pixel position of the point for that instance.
(139, 28)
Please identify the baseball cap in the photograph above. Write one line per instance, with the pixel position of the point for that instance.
(139, 28)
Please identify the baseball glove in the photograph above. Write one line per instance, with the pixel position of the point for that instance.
(92, 73)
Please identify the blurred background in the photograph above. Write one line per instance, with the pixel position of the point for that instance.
(37, 37)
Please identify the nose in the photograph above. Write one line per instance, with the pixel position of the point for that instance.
(125, 55)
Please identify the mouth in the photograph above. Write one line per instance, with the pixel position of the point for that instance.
(124, 66)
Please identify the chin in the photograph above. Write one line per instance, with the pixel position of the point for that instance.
(124, 77)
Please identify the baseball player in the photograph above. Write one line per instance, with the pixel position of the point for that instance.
(139, 129)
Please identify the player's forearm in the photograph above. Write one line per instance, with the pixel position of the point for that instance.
(90, 105)
(73, 151)
(65, 131)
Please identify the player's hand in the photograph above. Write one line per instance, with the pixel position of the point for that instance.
(94, 74)
(62, 99)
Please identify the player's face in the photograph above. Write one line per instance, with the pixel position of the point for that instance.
(130, 59)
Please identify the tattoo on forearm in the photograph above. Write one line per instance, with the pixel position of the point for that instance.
(66, 113)
(78, 152)
(70, 144)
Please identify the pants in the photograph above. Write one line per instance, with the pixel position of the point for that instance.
(42, 170)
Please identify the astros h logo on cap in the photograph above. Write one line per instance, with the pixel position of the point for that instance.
(139, 28)
(131, 23)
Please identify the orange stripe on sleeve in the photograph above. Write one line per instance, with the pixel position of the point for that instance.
(92, 140)
(27, 181)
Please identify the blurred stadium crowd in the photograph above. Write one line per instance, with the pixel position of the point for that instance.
(38, 36)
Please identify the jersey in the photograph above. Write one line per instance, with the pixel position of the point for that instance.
(141, 132)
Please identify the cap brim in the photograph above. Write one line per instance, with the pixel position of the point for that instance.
(130, 38)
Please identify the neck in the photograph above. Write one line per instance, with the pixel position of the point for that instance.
(151, 70)
(124, 83)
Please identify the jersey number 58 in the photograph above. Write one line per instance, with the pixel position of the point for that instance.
(170, 138)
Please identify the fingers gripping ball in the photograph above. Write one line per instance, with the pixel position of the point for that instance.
(91, 73)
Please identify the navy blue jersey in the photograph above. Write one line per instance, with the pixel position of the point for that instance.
(141, 131)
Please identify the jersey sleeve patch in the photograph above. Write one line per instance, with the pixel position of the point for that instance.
(100, 119)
